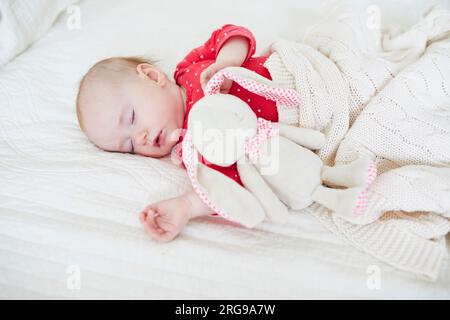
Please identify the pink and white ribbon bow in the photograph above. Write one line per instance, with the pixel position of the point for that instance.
(264, 131)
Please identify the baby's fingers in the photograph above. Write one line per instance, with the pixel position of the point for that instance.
(226, 86)
(150, 225)
(166, 236)
(206, 75)
(150, 230)
(204, 78)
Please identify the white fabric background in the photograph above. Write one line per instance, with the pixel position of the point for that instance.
(63, 202)
(23, 22)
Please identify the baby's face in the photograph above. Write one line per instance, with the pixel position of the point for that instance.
(140, 113)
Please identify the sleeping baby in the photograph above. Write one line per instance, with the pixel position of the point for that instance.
(127, 104)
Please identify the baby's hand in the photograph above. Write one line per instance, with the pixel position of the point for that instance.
(211, 71)
(268, 50)
(165, 220)
(232, 54)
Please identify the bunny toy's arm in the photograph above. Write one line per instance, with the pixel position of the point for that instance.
(275, 210)
(308, 138)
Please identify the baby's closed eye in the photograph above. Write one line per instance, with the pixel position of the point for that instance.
(132, 120)
(132, 117)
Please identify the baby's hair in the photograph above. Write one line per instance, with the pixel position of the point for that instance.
(110, 64)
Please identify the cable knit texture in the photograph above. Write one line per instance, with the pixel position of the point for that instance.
(388, 97)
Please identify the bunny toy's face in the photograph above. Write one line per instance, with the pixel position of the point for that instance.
(220, 124)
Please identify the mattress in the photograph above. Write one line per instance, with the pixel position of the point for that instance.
(69, 224)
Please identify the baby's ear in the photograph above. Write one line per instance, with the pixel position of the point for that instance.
(150, 72)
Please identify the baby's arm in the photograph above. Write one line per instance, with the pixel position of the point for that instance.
(233, 54)
(203, 56)
(164, 220)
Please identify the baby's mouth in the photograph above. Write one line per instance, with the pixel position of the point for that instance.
(158, 140)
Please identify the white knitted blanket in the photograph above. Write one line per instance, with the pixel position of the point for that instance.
(387, 96)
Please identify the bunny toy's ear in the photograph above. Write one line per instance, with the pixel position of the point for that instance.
(223, 195)
(308, 138)
(255, 83)
(235, 202)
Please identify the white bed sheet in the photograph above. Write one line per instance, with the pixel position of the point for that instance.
(65, 206)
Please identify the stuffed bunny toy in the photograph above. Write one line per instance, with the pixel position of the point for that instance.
(275, 161)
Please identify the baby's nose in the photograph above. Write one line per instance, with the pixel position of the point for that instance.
(142, 137)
